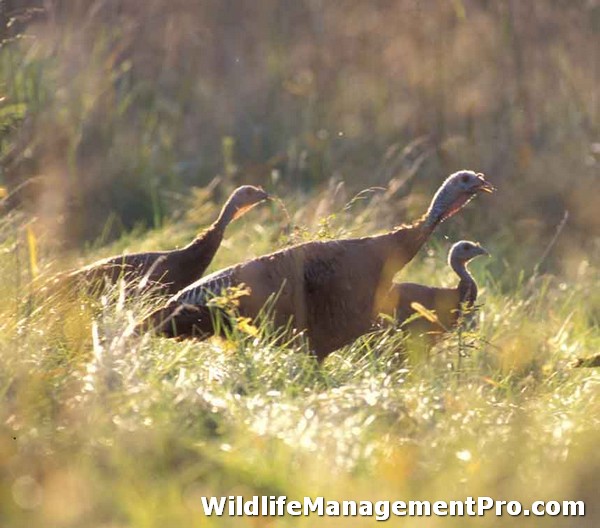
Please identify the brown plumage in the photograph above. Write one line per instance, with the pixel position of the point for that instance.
(172, 270)
(334, 290)
(446, 303)
(587, 362)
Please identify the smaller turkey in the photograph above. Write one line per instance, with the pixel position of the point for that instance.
(447, 304)
(171, 271)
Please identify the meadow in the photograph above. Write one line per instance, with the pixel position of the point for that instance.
(113, 122)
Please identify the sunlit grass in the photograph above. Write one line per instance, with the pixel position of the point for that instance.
(100, 427)
(114, 116)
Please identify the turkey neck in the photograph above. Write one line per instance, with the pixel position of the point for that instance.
(406, 241)
(197, 255)
(227, 214)
(467, 287)
(398, 249)
(216, 230)
(402, 244)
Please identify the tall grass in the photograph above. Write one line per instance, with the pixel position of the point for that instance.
(103, 429)
(113, 118)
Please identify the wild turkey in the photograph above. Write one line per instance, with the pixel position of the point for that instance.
(333, 290)
(172, 270)
(447, 304)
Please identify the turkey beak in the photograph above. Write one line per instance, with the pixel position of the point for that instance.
(264, 195)
(483, 251)
(485, 185)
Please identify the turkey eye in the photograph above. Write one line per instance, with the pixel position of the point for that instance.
(465, 178)
(467, 246)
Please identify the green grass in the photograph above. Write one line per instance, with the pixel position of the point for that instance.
(100, 429)
(110, 113)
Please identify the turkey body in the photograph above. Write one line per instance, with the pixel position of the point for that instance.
(170, 271)
(444, 302)
(166, 271)
(448, 304)
(327, 289)
(332, 290)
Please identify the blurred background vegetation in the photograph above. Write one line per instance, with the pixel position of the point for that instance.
(123, 126)
(110, 110)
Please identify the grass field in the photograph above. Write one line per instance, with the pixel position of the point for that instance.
(116, 116)
(103, 430)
